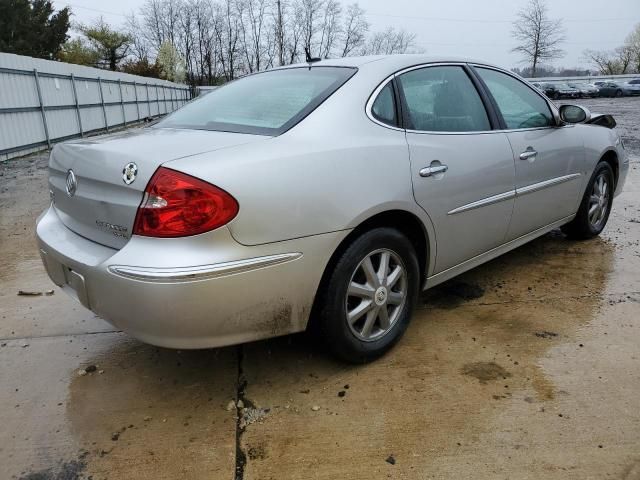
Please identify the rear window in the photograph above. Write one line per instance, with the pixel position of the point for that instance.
(267, 103)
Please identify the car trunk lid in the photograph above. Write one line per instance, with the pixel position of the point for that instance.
(96, 200)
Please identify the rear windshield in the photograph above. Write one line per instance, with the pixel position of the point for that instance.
(267, 103)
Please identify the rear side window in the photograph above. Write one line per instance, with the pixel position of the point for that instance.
(443, 99)
(521, 107)
(384, 107)
(267, 103)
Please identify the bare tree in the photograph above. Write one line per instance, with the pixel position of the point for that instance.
(540, 37)
(139, 44)
(330, 27)
(632, 43)
(218, 40)
(389, 42)
(614, 62)
(354, 32)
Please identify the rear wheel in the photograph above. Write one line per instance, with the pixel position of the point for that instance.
(369, 296)
(595, 207)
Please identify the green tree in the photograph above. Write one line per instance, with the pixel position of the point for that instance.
(142, 67)
(76, 51)
(111, 46)
(30, 27)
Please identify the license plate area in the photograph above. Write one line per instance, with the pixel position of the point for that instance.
(69, 280)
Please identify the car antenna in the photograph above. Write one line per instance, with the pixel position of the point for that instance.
(308, 56)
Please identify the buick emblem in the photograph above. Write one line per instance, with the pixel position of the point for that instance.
(129, 173)
(72, 183)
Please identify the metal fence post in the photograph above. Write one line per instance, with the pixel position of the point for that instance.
(75, 99)
(148, 102)
(171, 92)
(164, 99)
(135, 90)
(44, 115)
(124, 118)
(104, 110)
(158, 99)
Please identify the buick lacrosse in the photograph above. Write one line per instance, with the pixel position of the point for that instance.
(324, 195)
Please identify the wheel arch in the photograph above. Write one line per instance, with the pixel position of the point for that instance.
(404, 221)
(611, 157)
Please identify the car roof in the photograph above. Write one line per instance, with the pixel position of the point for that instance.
(392, 62)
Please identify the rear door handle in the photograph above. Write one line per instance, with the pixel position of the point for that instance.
(529, 153)
(433, 170)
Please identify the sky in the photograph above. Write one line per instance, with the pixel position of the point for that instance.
(478, 29)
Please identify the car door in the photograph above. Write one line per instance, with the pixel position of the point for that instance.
(462, 170)
(549, 158)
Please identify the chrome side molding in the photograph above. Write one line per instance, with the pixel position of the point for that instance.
(513, 193)
(203, 272)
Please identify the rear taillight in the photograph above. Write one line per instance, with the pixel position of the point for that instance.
(178, 205)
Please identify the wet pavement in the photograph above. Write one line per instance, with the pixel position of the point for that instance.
(527, 367)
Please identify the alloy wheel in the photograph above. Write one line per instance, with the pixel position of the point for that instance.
(376, 295)
(599, 201)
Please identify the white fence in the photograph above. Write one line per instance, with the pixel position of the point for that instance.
(42, 102)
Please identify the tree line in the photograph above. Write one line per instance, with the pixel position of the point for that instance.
(218, 40)
(208, 42)
(540, 37)
(202, 42)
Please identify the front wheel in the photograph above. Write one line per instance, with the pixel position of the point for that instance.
(369, 296)
(595, 207)
(618, 93)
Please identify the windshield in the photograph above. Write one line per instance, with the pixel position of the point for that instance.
(267, 103)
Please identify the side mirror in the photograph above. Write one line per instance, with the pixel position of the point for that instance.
(574, 114)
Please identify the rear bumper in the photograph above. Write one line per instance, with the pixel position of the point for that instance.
(195, 292)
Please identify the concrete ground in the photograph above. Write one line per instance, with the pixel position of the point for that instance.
(525, 368)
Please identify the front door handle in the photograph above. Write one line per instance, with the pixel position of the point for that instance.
(528, 154)
(433, 170)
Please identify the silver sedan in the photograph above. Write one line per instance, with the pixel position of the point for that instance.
(325, 195)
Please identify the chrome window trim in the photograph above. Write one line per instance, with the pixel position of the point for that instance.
(202, 272)
(534, 187)
(372, 99)
(376, 92)
(552, 107)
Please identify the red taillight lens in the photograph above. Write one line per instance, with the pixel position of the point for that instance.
(178, 205)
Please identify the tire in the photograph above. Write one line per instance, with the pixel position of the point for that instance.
(618, 93)
(349, 290)
(585, 225)
(556, 96)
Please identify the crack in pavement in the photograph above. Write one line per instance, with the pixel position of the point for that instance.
(241, 385)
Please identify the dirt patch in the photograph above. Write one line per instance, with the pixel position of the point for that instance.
(257, 452)
(485, 371)
(70, 470)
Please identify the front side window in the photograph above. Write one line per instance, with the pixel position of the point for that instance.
(521, 107)
(384, 106)
(443, 99)
(267, 103)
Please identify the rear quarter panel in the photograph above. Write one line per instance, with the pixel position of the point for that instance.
(331, 172)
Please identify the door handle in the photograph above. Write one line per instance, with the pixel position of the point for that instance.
(433, 170)
(529, 153)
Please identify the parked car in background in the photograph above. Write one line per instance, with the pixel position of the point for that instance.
(585, 89)
(632, 87)
(611, 89)
(559, 90)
